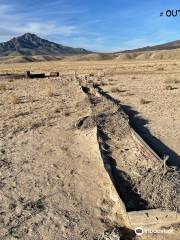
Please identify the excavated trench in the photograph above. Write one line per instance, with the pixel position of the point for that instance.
(120, 179)
(141, 181)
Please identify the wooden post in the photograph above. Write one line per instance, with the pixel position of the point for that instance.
(54, 74)
(28, 74)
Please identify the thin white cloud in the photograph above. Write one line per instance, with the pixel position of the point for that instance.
(5, 8)
(13, 23)
(47, 28)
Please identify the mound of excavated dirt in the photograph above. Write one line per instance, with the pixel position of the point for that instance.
(53, 184)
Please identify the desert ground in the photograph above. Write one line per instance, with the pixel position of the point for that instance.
(53, 183)
(156, 82)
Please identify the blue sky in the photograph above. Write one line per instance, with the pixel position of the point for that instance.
(101, 25)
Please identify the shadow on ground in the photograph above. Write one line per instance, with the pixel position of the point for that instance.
(139, 125)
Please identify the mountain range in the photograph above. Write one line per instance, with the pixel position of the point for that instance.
(165, 46)
(30, 47)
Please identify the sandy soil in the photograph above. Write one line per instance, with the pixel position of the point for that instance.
(153, 102)
(156, 82)
(53, 184)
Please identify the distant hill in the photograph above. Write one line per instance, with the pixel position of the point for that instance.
(173, 54)
(32, 45)
(31, 48)
(166, 51)
(165, 46)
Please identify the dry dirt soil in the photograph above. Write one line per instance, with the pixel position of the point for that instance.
(149, 90)
(53, 184)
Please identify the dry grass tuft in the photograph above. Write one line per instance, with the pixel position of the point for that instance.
(161, 188)
(67, 114)
(143, 101)
(14, 99)
(91, 74)
(50, 93)
(169, 87)
(176, 81)
(57, 110)
(30, 108)
(115, 90)
(11, 80)
(172, 81)
(160, 69)
(103, 83)
(30, 99)
(111, 80)
(3, 87)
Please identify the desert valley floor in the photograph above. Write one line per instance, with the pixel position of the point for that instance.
(53, 184)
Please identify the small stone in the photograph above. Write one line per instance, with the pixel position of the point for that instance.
(19, 209)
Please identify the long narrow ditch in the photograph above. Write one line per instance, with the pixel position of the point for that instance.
(121, 181)
(141, 182)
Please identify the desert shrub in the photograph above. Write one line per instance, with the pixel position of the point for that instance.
(111, 80)
(57, 110)
(115, 90)
(169, 87)
(30, 99)
(14, 99)
(91, 74)
(50, 93)
(176, 81)
(67, 114)
(161, 188)
(30, 109)
(11, 80)
(3, 87)
(143, 101)
(160, 69)
(172, 81)
(103, 83)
